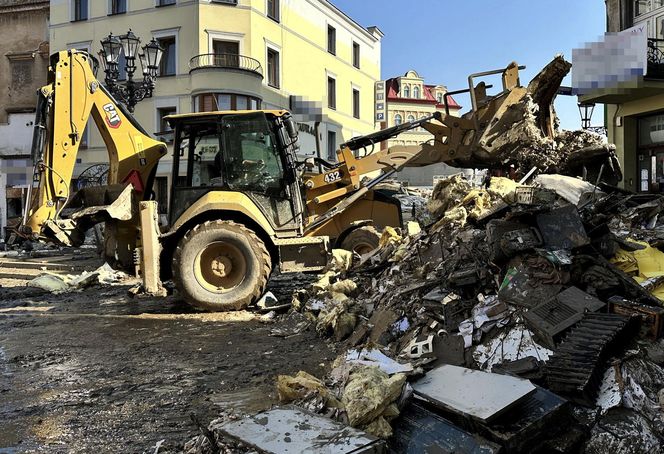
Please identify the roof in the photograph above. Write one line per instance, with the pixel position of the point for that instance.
(392, 88)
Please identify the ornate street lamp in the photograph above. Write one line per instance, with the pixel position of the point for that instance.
(586, 111)
(131, 91)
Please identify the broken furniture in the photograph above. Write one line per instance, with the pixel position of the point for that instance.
(293, 430)
(480, 395)
(419, 430)
(562, 228)
(550, 320)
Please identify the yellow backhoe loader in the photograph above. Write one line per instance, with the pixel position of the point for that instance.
(240, 203)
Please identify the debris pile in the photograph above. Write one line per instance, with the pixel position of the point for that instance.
(525, 316)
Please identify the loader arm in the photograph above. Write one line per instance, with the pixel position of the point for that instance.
(456, 140)
(66, 103)
(494, 133)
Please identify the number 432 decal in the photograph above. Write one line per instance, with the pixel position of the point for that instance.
(332, 176)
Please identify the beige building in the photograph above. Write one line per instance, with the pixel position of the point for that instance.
(302, 55)
(23, 69)
(409, 98)
(634, 108)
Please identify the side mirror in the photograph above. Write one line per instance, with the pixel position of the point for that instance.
(310, 163)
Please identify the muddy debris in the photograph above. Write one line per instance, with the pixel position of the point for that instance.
(546, 280)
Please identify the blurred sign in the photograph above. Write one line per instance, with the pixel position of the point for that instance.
(619, 57)
(380, 101)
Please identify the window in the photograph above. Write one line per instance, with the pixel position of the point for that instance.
(398, 119)
(641, 7)
(273, 68)
(273, 9)
(356, 55)
(332, 40)
(251, 158)
(439, 98)
(165, 132)
(226, 53)
(210, 102)
(165, 2)
(416, 92)
(331, 93)
(411, 118)
(356, 103)
(406, 91)
(331, 146)
(168, 63)
(80, 10)
(118, 6)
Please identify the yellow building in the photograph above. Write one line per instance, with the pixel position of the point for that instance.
(408, 98)
(303, 55)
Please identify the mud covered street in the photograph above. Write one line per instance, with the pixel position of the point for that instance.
(96, 371)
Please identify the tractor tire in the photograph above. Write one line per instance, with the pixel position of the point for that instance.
(361, 240)
(221, 266)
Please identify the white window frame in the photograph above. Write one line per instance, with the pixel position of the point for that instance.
(419, 92)
(72, 11)
(110, 8)
(269, 45)
(162, 103)
(167, 33)
(225, 36)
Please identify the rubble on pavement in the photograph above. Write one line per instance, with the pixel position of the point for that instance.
(477, 289)
(56, 283)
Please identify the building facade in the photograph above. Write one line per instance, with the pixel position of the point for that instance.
(23, 70)
(303, 55)
(634, 109)
(408, 98)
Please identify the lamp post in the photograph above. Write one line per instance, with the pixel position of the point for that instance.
(586, 111)
(131, 91)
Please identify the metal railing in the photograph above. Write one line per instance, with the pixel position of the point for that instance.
(229, 61)
(655, 58)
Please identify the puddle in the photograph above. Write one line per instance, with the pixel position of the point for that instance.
(247, 401)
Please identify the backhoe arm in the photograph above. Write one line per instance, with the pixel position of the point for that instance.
(65, 105)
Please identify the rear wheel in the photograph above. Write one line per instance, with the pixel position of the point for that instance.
(361, 240)
(220, 266)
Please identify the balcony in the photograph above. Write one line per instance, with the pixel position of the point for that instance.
(231, 62)
(655, 59)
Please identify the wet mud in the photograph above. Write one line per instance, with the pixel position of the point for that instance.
(97, 371)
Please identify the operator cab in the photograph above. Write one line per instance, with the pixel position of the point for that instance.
(252, 152)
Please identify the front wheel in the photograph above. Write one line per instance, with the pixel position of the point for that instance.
(221, 266)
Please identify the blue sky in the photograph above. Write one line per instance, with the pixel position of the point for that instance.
(446, 40)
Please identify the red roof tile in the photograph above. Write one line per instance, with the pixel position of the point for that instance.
(392, 88)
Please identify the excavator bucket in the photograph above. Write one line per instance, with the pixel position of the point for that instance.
(519, 127)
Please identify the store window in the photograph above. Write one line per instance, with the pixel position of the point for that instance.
(651, 154)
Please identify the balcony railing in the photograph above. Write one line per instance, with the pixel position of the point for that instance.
(226, 61)
(655, 58)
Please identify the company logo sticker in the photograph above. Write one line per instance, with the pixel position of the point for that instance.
(112, 118)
